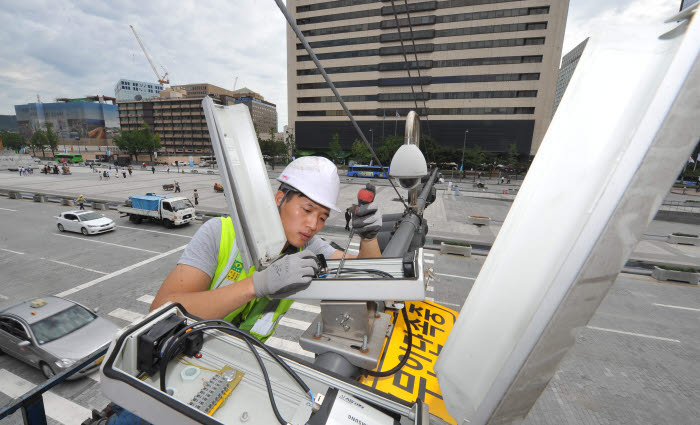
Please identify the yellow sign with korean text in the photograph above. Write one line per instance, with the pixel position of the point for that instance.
(430, 324)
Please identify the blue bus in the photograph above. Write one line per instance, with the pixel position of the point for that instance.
(368, 171)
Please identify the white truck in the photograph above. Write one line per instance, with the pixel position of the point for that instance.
(169, 210)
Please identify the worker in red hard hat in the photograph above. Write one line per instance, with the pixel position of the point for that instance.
(210, 281)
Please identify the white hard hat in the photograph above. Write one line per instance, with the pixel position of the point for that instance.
(314, 176)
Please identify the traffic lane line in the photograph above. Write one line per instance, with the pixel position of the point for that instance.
(14, 252)
(7, 209)
(154, 231)
(126, 315)
(118, 272)
(677, 307)
(455, 276)
(306, 307)
(85, 238)
(55, 406)
(634, 334)
(148, 299)
(72, 265)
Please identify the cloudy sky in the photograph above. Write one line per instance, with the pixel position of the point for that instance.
(83, 47)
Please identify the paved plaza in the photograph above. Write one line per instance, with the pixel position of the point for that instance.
(636, 362)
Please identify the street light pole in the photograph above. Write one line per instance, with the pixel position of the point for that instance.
(464, 145)
(372, 134)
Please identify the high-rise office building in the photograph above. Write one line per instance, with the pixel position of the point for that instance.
(136, 90)
(488, 67)
(568, 66)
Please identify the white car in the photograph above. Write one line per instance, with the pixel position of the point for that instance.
(85, 222)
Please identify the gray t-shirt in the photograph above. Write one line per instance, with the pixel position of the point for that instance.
(203, 251)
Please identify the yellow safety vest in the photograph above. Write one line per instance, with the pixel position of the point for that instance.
(259, 316)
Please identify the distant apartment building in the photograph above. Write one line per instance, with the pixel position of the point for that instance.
(180, 122)
(488, 67)
(568, 66)
(90, 118)
(263, 113)
(136, 90)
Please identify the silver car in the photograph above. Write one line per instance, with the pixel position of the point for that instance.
(53, 333)
(85, 222)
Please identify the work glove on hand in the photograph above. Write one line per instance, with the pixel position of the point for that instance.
(288, 273)
(367, 221)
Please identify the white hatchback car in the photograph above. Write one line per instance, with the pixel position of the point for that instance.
(85, 222)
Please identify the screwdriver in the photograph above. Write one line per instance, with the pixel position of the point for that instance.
(364, 196)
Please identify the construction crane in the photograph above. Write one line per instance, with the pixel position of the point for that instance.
(161, 80)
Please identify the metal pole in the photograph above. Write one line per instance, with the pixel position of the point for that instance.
(401, 240)
(464, 146)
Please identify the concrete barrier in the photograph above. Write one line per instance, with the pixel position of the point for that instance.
(684, 239)
(15, 195)
(40, 198)
(210, 172)
(99, 206)
(478, 220)
(675, 275)
(194, 171)
(465, 251)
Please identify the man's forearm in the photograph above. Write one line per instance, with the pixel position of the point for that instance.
(369, 249)
(215, 304)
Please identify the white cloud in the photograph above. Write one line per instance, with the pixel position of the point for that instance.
(590, 17)
(83, 47)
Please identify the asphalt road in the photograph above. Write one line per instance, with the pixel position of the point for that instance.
(636, 362)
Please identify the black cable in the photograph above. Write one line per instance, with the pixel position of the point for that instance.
(309, 50)
(346, 270)
(403, 50)
(415, 54)
(168, 352)
(403, 361)
(231, 330)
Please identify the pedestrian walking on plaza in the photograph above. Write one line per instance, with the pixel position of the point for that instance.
(131, 170)
(196, 197)
(177, 187)
(124, 173)
(153, 169)
(81, 201)
(348, 216)
(168, 170)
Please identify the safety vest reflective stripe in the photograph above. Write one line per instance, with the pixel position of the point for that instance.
(259, 316)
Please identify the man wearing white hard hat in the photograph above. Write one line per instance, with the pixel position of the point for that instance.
(200, 282)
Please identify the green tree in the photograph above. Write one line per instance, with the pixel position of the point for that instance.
(51, 138)
(138, 141)
(359, 152)
(388, 148)
(429, 148)
(334, 148)
(38, 141)
(13, 141)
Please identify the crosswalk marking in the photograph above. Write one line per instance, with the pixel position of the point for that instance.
(290, 347)
(306, 307)
(430, 299)
(55, 406)
(148, 299)
(429, 288)
(127, 315)
(293, 323)
(428, 261)
(428, 254)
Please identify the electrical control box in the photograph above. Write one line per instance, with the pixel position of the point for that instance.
(222, 383)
